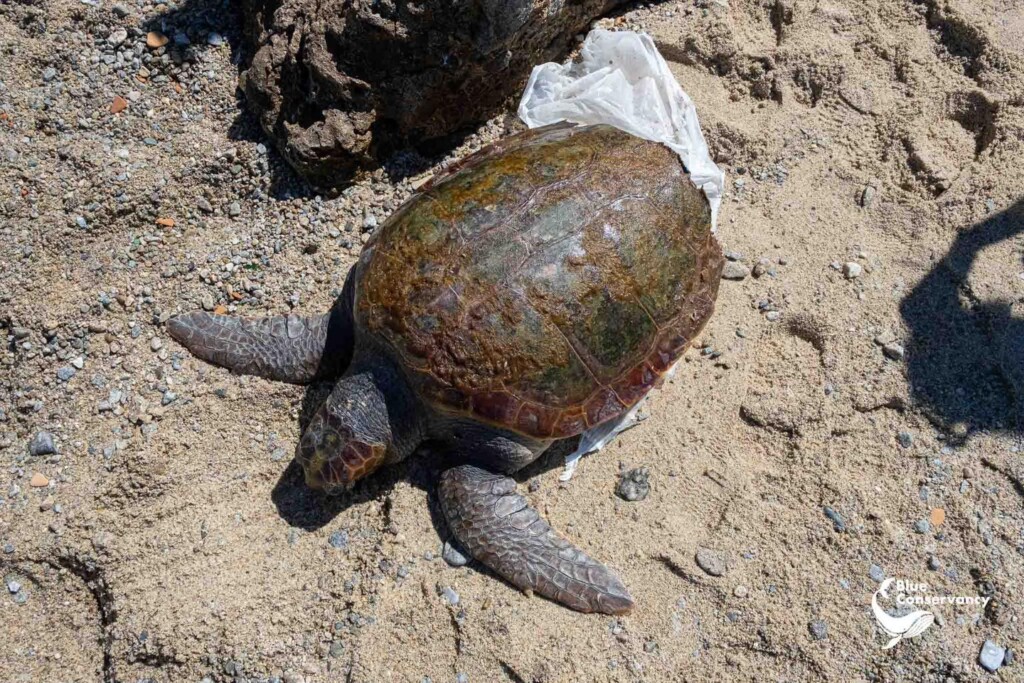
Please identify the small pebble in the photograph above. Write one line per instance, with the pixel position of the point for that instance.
(734, 270)
(454, 555)
(712, 562)
(634, 485)
(894, 351)
(991, 656)
(818, 629)
(449, 595)
(13, 586)
(155, 344)
(38, 481)
(65, 373)
(933, 563)
(837, 520)
(852, 270)
(461, 678)
(42, 444)
(876, 573)
(867, 196)
(906, 439)
(338, 540)
(922, 526)
(740, 591)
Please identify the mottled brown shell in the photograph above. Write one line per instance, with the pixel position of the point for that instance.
(548, 282)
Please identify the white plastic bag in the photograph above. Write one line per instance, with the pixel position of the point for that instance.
(622, 80)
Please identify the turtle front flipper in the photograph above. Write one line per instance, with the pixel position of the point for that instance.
(498, 528)
(286, 348)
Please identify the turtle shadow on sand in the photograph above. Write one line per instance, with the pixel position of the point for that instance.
(965, 356)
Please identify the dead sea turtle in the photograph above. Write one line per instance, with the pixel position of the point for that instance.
(538, 289)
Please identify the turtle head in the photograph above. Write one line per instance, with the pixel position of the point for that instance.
(347, 439)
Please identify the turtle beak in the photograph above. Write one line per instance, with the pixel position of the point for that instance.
(314, 480)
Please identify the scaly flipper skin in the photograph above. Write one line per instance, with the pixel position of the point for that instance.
(285, 348)
(499, 528)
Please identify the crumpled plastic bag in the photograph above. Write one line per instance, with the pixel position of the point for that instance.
(622, 80)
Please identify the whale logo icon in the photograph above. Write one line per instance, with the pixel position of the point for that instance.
(899, 628)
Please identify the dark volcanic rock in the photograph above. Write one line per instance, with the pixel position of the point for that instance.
(338, 82)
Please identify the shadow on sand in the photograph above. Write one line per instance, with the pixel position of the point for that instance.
(965, 356)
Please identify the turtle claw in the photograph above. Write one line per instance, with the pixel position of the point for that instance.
(498, 528)
(286, 348)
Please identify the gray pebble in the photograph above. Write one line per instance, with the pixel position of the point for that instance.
(734, 270)
(204, 205)
(234, 209)
(42, 444)
(922, 526)
(49, 73)
(169, 397)
(852, 270)
(712, 562)
(906, 439)
(837, 520)
(818, 629)
(65, 373)
(634, 485)
(339, 540)
(8, 548)
(876, 573)
(991, 656)
(933, 563)
(454, 555)
(13, 586)
(894, 351)
(461, 678)
(21, 597)
(215, 39)
(450, 595)
(337, 649)
(867, 196)
(156, 344)
(885, 337)
(117, 37)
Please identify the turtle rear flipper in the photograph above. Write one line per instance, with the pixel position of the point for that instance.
(286, 348)
(498, 528)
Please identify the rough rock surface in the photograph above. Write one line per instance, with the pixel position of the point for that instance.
(336, 82)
